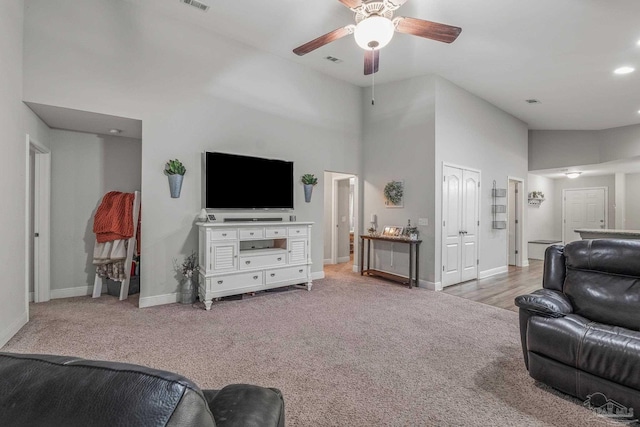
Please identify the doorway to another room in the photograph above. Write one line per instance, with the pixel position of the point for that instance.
(515, 214)
(340, 219)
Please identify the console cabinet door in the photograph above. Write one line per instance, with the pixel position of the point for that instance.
(297, 251)
(223, 256)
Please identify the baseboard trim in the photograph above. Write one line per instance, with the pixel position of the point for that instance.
(432, 286)
(145, 302)
(31, 296)
(356, 268)
(80, 291)
(13, 329)
(317, 275)
(344, 259)
(327, 261)
(493, 272)
(525, 263)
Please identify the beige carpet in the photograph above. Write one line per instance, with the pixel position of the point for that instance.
(352, 352)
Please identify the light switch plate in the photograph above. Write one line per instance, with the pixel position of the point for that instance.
(423, 221)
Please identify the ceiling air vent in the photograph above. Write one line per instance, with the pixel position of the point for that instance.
(195, 3)
(333, 59)
(532, 101)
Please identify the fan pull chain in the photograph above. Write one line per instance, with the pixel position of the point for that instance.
(373, 79)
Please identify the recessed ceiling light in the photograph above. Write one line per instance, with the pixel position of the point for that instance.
(115, 131)
(624, 70)
(573, 175)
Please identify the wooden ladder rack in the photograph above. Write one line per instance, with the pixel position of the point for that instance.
(131, 247)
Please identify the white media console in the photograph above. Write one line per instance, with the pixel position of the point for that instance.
(239, 257)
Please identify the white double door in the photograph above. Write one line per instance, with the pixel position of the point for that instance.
(460, 213)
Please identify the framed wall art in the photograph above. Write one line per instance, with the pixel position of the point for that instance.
(394, 194)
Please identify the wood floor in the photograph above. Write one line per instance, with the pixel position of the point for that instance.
(499, 290)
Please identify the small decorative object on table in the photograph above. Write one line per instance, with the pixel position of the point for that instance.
(411, 232)
(392, 231)
(187, 289)
(308, 180)
(372, 231)
(175, 170)
(393, 194)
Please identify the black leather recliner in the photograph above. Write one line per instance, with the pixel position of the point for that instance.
(581, 333)
(48, 390)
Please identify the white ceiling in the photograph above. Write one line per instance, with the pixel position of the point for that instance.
(561, 52)
(84, 121)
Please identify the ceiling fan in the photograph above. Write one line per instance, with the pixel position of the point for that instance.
(375, 27)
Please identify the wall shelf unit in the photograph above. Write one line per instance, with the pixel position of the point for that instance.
(498, 207)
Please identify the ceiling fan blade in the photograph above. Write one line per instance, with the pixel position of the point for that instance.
(322, 40)
(352, 4)
(396, 3)
(427, 29)
(371, 61)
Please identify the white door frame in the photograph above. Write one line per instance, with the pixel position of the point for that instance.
(520, 203)
(442, 240)
(42, 221)
(335, 219)
(606, 205)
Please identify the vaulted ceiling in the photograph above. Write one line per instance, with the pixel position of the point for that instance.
(560, 52)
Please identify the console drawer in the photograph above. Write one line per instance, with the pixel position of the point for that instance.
(275, 232)
(235, 281)
(258, 261)
(297, 231)
(223, 234)
(251, 233)
(286, 274)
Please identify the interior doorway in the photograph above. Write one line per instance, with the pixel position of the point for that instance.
(38, 214)
(341, 223)
(583, 208)
(515, 216)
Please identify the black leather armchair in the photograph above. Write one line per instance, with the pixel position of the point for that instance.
(581, 333)
(47, 390)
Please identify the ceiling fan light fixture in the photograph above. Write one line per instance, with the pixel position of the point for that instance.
(572, 175)
(374, 32)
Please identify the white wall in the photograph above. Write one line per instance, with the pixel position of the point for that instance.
(84, 167)
(14, 310)
(584, 182)
(632, 201)
(214, 94)
(399, 143)
(542, 223)
(473, 133)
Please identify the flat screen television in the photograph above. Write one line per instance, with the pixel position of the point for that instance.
(243, 182)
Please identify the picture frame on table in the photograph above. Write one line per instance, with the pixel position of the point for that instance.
(392, 231)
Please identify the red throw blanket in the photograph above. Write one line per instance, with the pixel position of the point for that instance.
(114, 217)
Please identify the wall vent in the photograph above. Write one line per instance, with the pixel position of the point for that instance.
(333, 59)
(197, 4)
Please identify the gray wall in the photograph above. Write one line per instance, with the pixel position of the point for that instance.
(234, 98)
(473, 133)
(14, 311)
(633, 201)
(399, 143)
(543, 224)
(84, 167)
(558, 149)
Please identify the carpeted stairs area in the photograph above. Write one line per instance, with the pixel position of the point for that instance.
(355, 351)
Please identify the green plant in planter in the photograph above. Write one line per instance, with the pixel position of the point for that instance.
(175, 167)
(309, 179)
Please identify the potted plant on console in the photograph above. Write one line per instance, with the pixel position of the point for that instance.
(175, 170)
(308, 180)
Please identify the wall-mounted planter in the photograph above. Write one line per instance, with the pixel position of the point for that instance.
(308, 190)
(175, 185)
